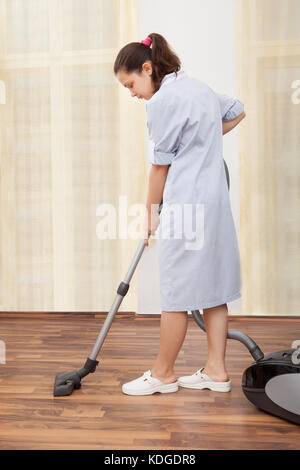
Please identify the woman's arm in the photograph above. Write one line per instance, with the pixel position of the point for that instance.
(157, 178)
(229, 125)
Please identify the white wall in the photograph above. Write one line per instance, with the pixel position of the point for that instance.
(203, 34)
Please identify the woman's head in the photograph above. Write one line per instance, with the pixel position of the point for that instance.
(141, 68)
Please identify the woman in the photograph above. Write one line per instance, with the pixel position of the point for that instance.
(199, 269)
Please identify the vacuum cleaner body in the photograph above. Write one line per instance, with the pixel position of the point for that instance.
(272, 384)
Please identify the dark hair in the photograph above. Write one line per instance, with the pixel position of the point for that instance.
(163, 60)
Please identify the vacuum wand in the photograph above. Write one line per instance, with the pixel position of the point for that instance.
(121, 292)
(66, 382)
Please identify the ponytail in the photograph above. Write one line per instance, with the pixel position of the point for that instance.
(163, 59)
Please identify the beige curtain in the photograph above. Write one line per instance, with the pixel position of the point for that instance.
(71, 140)
(269, 84)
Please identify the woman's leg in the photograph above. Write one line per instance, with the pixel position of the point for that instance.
(173, 327)
(216, 323)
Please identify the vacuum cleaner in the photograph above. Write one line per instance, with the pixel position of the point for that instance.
(271, 383)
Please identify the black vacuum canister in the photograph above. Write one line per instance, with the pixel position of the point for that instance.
(273, 384)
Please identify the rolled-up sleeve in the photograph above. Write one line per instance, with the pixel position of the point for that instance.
(230, 107)
(165, 123)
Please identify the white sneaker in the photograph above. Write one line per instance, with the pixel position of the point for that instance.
(146, 385)
(200, 380)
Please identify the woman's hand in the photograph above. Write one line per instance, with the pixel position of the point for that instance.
(152, 221)
(157, 178)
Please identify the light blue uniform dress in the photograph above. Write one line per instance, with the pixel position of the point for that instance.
(199, 260)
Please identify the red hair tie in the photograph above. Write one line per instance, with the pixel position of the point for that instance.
(147, 41)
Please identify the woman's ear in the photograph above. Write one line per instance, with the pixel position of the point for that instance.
(147, 67)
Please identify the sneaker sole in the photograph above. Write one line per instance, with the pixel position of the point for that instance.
(215, 386)
(167, 388)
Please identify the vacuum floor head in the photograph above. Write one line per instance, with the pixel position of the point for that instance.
(66, 382)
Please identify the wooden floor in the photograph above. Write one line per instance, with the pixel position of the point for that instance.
(100, 416)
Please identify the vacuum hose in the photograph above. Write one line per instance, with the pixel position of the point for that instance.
(252, 347)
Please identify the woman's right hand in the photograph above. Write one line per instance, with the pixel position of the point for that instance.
(152, 221)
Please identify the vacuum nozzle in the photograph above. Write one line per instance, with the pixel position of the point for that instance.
(66, 382)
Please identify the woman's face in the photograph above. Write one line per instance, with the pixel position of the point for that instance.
(139, 85)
